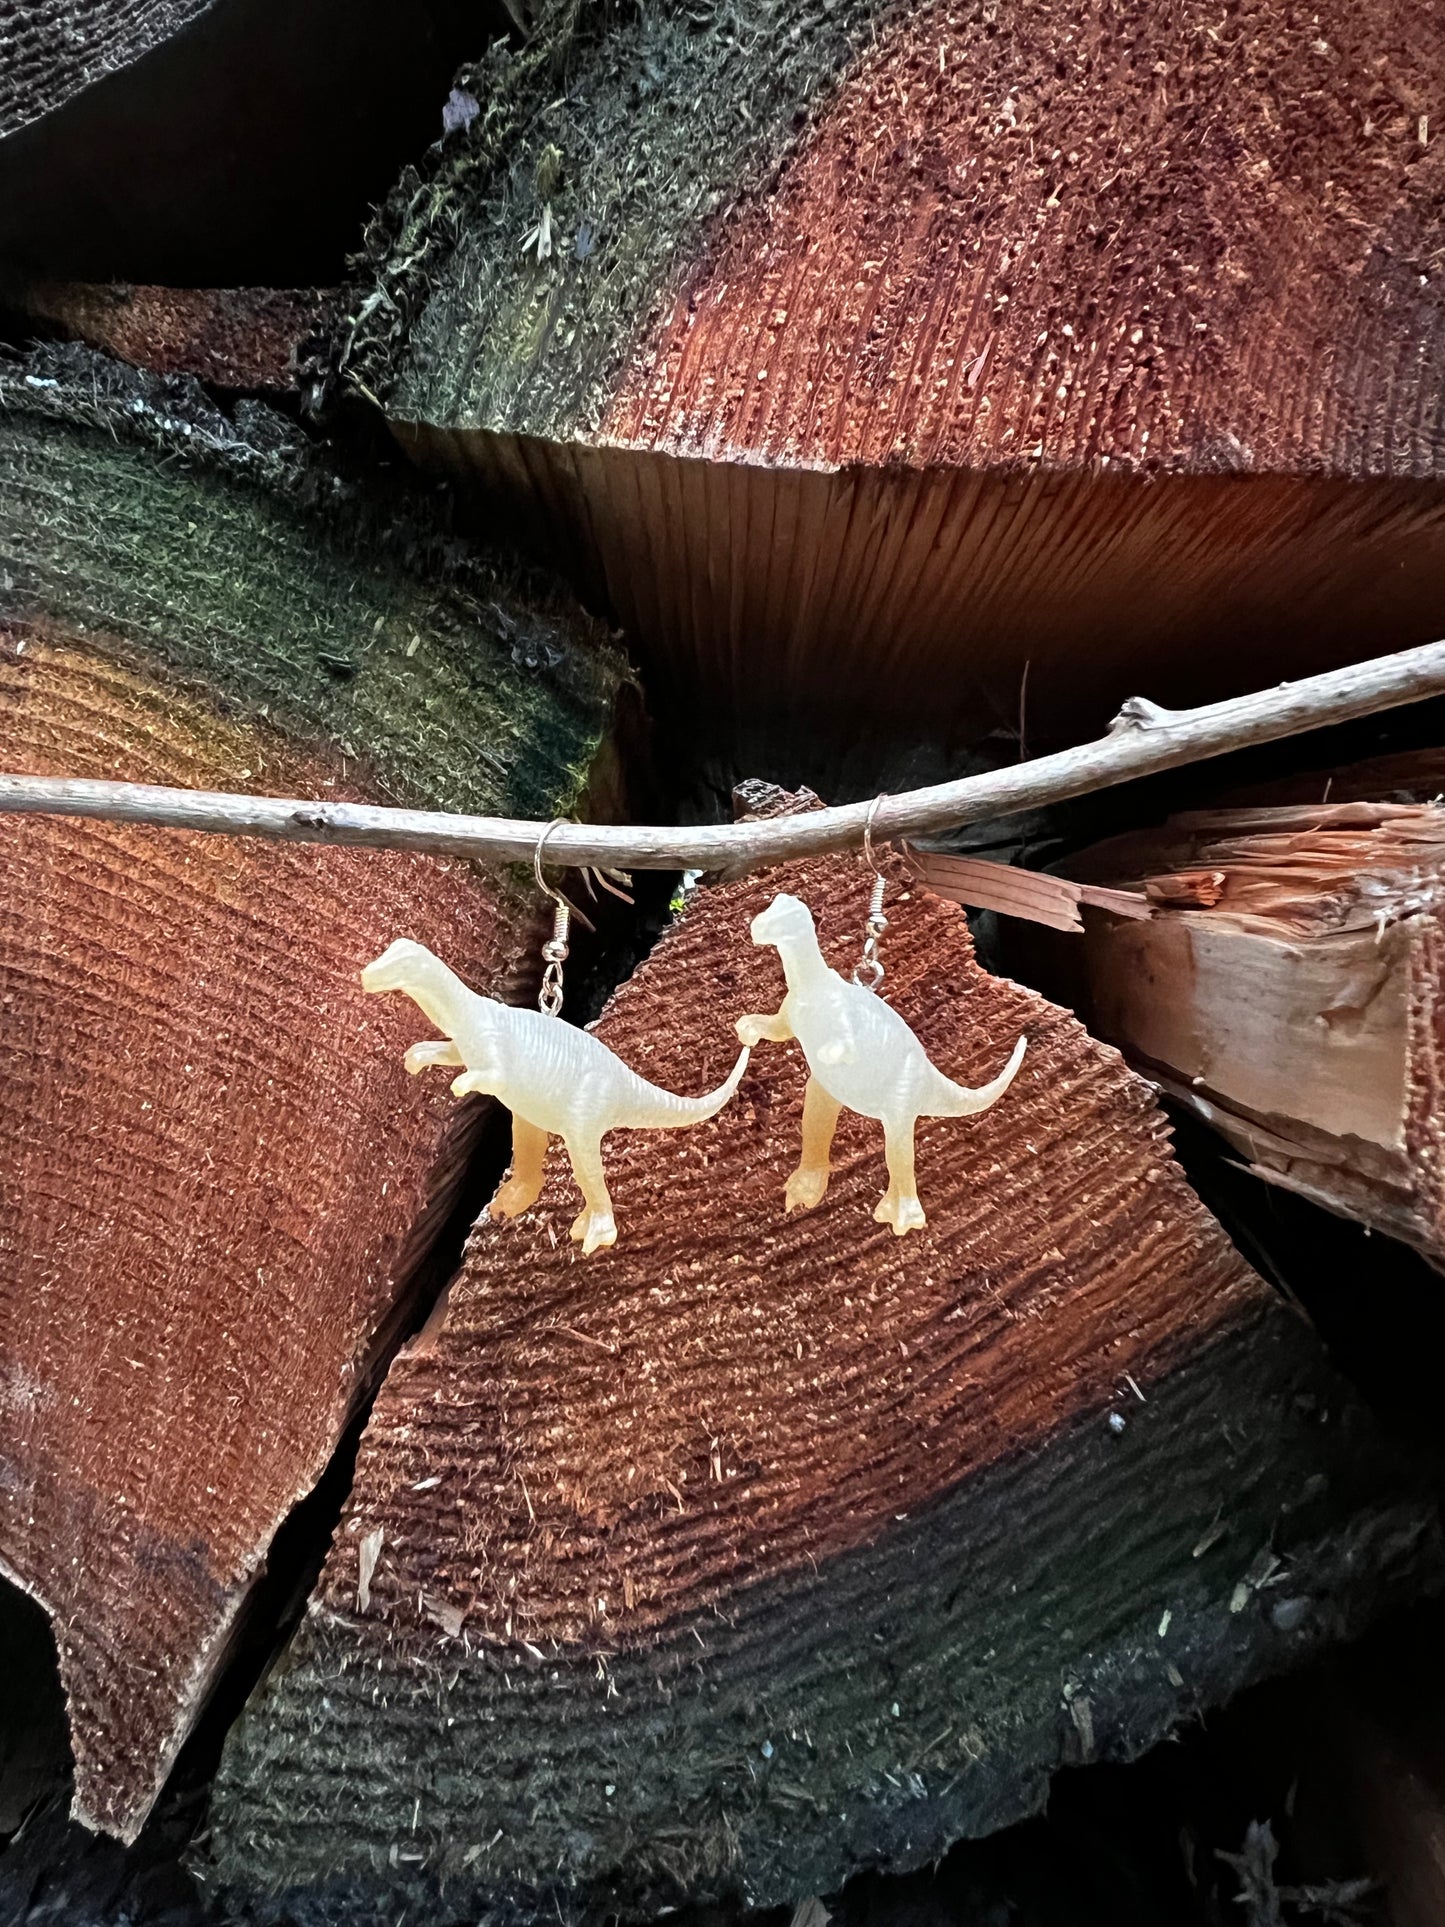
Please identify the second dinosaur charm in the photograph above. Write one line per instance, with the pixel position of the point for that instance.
(861, 1057)
(554, 1079)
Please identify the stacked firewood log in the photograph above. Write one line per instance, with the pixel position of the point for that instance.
(845, 396)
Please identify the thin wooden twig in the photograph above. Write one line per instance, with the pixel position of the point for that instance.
(1143, 738)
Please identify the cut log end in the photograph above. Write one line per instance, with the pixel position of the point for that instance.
(220, 1184)
(214, 1170)
(768, 1545)
(894, 379)
(215, 143)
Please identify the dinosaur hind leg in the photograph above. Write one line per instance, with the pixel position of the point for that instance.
(820, 1119)
(524, 1182)
(899, 1204)
(594, 1224)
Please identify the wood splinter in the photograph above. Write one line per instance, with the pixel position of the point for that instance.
(1288, 988)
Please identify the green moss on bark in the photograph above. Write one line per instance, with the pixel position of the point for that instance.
(549, 257)
(242, 559)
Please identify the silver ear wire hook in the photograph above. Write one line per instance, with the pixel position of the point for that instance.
(868, 856)
(554, 951)
(869, 971)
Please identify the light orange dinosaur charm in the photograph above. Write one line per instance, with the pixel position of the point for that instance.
(554, 1079)
(861, 1057)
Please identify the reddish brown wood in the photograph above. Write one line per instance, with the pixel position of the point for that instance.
(711, 1206)
(229, 337)
(1081, 337)
(664, 1571)
(1081, 235)
(218, 1185)
(217, 1182)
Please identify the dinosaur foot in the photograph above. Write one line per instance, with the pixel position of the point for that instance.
(905, 1214)
(467, 1082)
(593, 1229)
(805, 1189)
(514, 1198)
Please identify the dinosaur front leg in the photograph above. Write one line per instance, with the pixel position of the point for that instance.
(524, 1183)
(899, 1204)
(820, 1119)
(420, 1056)
(594, 1225)
(764, 1030)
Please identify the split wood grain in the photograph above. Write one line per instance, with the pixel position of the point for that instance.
(1287, 990)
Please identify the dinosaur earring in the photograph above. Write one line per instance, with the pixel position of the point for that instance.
(860, 1053)
(554, 1079)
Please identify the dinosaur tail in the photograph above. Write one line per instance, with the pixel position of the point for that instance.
(956, 1100)
(659, 1110)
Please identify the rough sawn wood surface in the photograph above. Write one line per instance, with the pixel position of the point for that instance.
(216, 1179)
(1288, 991)
(880, 351)
(762, 1547)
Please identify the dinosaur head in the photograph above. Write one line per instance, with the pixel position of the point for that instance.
(397, 968)
(785, 918)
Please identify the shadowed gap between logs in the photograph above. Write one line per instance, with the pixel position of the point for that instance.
(244, 148)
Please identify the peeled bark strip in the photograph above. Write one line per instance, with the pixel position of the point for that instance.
(764, 1547)
(860, 356)
(217, 1183)
(1288, 989)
